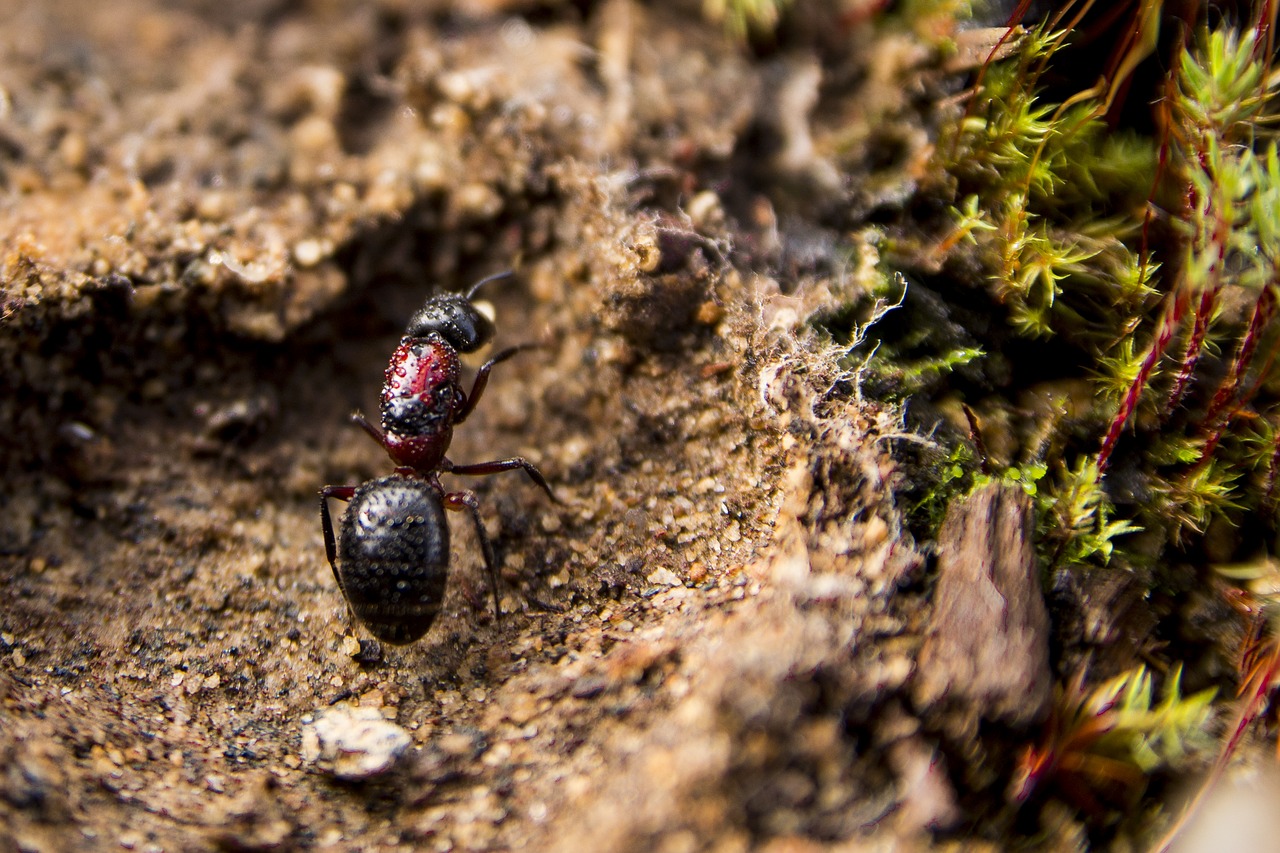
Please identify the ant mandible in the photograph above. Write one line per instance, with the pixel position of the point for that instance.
(392, 559)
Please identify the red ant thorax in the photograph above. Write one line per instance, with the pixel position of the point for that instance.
(421, 399)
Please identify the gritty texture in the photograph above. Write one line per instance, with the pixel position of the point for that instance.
(215, 220)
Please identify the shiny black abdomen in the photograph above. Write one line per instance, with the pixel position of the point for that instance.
(393, 556)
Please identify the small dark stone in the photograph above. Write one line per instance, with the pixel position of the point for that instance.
(370, 653)
(589, 687)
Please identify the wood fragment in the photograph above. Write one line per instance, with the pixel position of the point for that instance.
(987, 647)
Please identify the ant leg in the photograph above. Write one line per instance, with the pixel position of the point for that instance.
(482, 379)
(380, 437)
(467, 500)
(500, 465)
(376, 434)
(342, 493)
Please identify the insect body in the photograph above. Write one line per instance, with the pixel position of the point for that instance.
(421, 401)
(392, 559)
(394, 554)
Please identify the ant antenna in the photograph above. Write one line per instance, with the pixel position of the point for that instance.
(482, 282)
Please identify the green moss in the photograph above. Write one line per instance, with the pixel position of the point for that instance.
(1147, 267)
(1056, 209)
(746, 18)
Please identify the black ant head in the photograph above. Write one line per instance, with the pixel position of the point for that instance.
(453, 317)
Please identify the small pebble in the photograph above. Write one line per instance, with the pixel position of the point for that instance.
(308, 253)
(664, 577)
(589, 686)
(353, 743)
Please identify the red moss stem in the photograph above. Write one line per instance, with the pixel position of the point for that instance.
(1195, 345)
(1263, 309)
(1169, 324)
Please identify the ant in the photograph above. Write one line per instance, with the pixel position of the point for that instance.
(392, 559)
